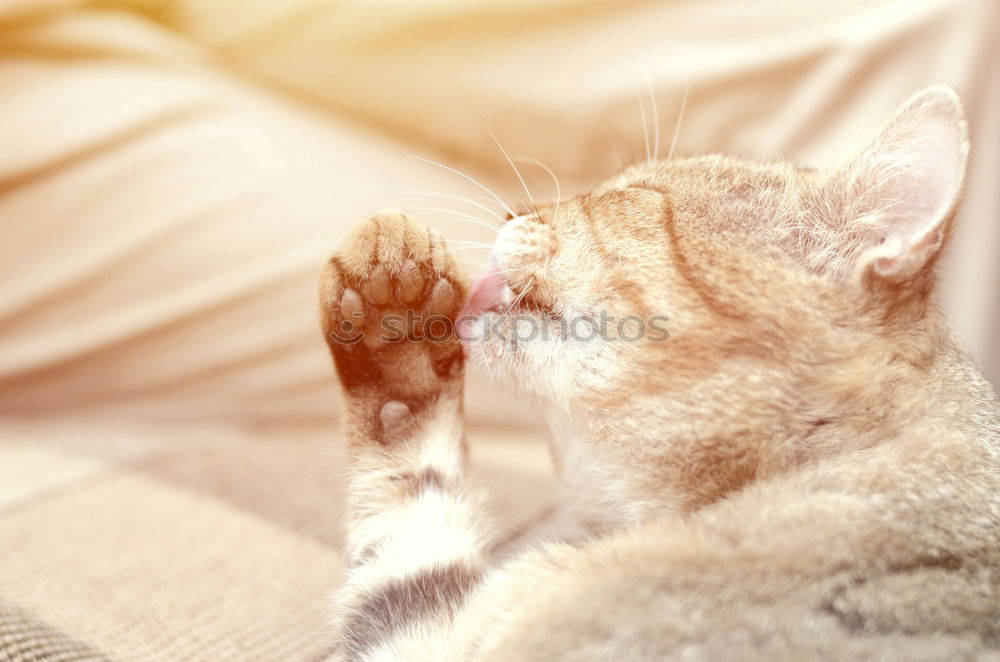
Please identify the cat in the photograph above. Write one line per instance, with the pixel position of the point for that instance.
(805, 466)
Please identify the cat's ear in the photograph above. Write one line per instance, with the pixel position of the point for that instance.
(900, 193)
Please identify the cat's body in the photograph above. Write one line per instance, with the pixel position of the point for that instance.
(807, 467)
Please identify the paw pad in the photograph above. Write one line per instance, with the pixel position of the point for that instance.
(390, 298)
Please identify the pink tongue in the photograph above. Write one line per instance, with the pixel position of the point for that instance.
(485, 292)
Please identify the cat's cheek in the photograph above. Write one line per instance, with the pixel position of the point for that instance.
(476, 330)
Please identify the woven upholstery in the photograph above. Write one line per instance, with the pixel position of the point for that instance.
(169, 542)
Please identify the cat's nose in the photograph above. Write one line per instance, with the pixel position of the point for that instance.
(523, 238)
(508, 234)
(516, 211)
(512, 218)
(534, 209)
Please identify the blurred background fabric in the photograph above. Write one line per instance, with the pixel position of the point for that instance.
(173, 174)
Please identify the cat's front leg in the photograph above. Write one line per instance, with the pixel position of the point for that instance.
(414, 538)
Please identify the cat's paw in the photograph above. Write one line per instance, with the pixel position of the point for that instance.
(388, 303)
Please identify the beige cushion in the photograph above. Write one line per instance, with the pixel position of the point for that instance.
(199, 543)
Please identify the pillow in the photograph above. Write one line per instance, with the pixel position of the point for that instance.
(163, 224)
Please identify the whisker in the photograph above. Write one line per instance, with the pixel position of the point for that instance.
(680, 116)
(499, 295)
(555, 179)
(486, 198)
(462, 174)
(467, 241)
(631, 160)
(458, 214)
(469, 245)
(472, 248)
(645, 129)
(656, 115)
(470, 219)
(524, 293)
(452, 196)
(517, 172)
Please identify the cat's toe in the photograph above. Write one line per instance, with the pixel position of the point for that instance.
(378, 288)
(352, 307)
(443, 299)
(390, 298)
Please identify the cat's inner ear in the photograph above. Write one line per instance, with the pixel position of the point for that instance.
(902, 190)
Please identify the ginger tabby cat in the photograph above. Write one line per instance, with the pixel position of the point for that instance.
(806, 466)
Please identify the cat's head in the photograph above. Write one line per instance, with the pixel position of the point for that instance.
(699, 277)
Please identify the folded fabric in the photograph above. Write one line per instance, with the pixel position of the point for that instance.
(173, 174)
